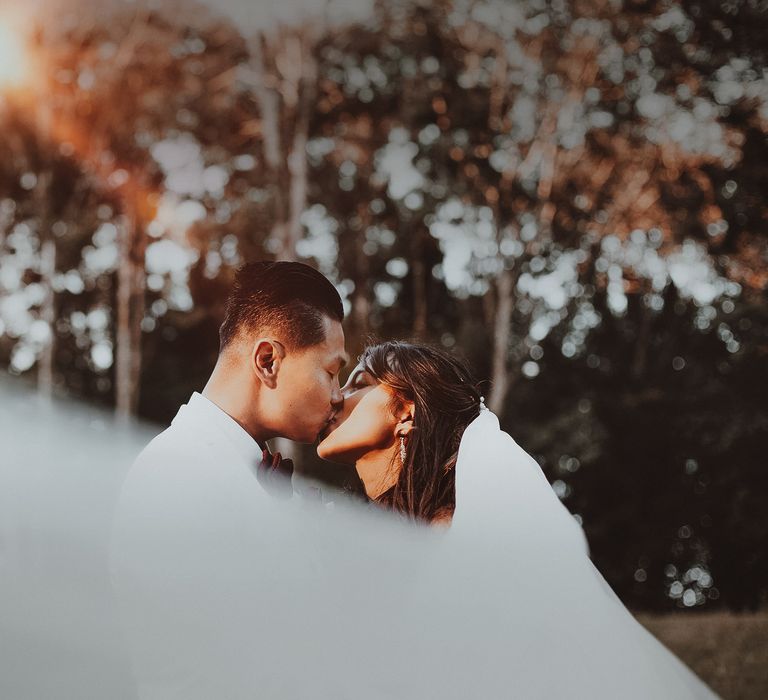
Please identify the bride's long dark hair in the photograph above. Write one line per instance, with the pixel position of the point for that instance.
(446, 400)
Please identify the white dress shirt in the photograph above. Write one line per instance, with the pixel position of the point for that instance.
(200, 408)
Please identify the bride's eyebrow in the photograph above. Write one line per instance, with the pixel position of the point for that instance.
(357, 373)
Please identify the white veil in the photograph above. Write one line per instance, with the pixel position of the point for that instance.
(226, 593)
(501, 490)
(557, 628)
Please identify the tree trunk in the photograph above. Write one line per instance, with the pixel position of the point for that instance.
(419, 279)
(268, 99)
(47, 272)
(138, 301)
(297, 160)
(640, 355)
(278, 101)
(7, 214)
(130, 312)
(500, 377)
(297, 169)
(45, 371)
(361, 305)
(123, 326)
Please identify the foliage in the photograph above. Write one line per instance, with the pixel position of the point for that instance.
(569, 194)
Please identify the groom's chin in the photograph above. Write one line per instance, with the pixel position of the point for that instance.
(307, 436)
(325, 431)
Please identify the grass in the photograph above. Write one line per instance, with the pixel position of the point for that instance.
(729, 651)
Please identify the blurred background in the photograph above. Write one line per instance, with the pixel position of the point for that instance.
(571, 195)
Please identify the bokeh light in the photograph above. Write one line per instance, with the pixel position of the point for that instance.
(13, 54)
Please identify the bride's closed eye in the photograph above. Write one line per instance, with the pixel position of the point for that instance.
(358, 380)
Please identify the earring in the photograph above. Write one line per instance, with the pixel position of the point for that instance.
(402, 449)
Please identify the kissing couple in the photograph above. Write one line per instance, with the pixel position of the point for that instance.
(225, 591)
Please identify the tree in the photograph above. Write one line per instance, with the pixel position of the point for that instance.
(119, 109)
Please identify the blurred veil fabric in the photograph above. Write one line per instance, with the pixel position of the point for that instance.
(227, 593)
(534, 608)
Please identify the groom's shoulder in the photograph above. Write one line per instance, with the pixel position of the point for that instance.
(181, 439)
(182, 442)
(170, 441)
(175, 461)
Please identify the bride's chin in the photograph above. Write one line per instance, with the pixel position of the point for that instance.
(326, 450)
(321, 450)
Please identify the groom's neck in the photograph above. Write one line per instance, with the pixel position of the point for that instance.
(230, 393)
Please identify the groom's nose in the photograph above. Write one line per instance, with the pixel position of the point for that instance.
(337, 398)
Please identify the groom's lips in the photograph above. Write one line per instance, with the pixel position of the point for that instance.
(327, 428)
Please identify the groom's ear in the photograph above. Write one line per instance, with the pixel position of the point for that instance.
(405, 416)
(266, 357)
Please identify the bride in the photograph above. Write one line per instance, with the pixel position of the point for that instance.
(405, 465)
(416, 429)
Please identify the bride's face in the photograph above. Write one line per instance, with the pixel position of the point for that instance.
(365, 424)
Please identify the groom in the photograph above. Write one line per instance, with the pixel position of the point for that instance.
(187, 531)
(187, 527)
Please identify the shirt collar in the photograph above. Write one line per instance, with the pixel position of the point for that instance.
(241, 440)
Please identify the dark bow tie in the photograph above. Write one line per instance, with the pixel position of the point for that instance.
(274, 474)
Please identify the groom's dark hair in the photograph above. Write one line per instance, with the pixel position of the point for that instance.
(285, 297)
